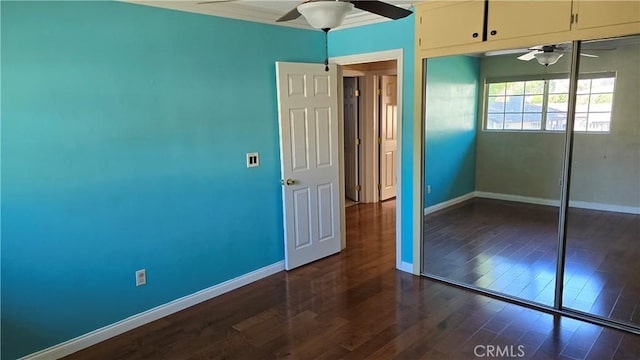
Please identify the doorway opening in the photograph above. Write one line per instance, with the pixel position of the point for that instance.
(370, 131)
(369, 70)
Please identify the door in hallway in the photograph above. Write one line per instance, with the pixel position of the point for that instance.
(388, 137)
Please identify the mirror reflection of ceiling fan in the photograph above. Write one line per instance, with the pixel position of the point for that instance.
(548, 54)
(545, 54)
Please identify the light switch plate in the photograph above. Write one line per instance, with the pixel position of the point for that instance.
(141, 277)
(253, 160)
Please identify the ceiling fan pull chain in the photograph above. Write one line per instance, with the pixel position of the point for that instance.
(326, 48)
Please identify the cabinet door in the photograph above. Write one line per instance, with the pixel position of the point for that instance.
(591, 14)
(449, 23)
(513, 19)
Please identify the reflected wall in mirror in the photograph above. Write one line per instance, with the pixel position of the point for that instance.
(602, 270)
(494, 144)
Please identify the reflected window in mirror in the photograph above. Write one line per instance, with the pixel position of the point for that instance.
(540, 103)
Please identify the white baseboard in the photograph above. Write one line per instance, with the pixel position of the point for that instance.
(517, 198)
(605, 207)
(551, 202)
(109, 331)
(406, 267)
(533, 200)
(446, 204)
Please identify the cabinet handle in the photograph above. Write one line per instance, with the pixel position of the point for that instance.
(475, 35)
(493, 32)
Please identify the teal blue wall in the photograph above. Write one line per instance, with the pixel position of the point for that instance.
(124, 134)
(451, 123)
(390, 35)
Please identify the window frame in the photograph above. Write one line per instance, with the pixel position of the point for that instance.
(545, 99)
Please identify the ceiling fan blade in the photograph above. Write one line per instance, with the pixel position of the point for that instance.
(528, 56)
(598, 49)
(382, 9)
(214, 2)
(505, 52)
(550, 48)
(589, 55)
(291, 15)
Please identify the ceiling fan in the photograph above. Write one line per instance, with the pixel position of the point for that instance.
(328, 14)
(548, 54)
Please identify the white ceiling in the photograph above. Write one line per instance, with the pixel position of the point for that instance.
(264, 11)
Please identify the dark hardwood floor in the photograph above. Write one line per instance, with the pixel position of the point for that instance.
(512, 248)
(355, 305)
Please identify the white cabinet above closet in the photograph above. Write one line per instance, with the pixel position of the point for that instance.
(445, 24)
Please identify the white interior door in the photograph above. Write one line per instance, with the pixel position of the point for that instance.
(388, 137)
(351, 140)
(309, 153)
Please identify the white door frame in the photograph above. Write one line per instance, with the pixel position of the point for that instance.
(396, 54)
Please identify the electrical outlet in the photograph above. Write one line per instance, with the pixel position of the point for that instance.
(141, 277)
(428, 189)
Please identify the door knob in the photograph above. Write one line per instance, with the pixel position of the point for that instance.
(288, 182)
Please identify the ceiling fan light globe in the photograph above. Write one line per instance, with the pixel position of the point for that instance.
(325, 14)
(548, 58)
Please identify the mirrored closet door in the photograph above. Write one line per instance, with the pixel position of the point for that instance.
(602, 268)
(517, 206)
